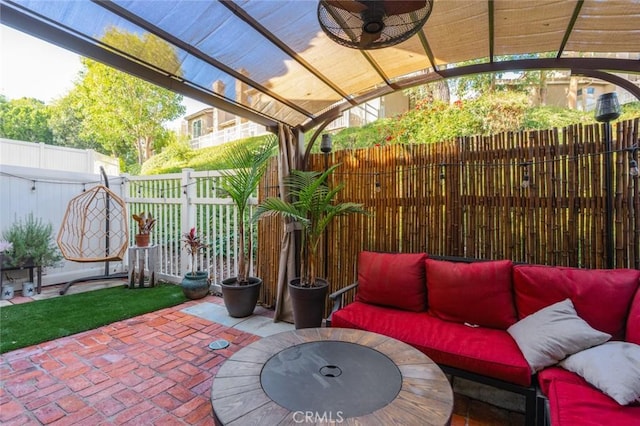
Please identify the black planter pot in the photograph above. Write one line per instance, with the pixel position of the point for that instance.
(195, 286)
(308, 303)
(240, 300)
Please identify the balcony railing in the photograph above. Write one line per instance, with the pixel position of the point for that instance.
(245, 130)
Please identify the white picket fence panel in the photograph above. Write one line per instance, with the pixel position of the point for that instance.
(182, 201)
(178, 201)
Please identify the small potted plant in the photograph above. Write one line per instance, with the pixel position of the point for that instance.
(195, 284)
(7, 289)
(145, 222)
(312, 205)
(5, 246)
(29, 242)
(245, 168)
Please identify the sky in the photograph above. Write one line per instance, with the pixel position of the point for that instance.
(33, 68)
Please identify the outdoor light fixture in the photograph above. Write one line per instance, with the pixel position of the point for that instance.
(633, 168)
(219, 344)
(607, 109)
(326, 144)
(633, 163)
(525, 176)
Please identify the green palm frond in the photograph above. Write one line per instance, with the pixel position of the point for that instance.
(311, 204)
(240, 182)
(246, 167)
(273, 206)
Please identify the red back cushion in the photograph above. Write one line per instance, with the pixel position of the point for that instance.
(633, 321)
(477, 293)
(392, 279)
(602, 297)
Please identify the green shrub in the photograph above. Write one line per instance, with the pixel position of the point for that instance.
(437, 121)
(180, 156)
(32, 240)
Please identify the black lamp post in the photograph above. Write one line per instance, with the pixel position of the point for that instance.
(326, 146)
(607, 109)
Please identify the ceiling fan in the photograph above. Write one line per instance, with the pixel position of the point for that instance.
(372, 24)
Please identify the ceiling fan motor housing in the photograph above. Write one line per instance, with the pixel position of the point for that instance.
(373, 18)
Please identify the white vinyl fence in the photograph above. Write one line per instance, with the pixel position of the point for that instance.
(178, 201)
(42, 156)
(183, 201)
(46, 194)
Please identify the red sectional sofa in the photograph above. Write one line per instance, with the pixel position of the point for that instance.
(469, 317)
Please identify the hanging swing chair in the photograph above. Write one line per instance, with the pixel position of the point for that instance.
(94, 229)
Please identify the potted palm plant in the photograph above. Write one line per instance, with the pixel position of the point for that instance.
(195, 284)
(246, 167)
(145, 222)
(313, 207)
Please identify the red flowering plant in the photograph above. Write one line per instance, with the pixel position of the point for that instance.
(193, 244)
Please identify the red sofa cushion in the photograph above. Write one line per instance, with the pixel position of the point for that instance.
(476, 293)
(549, 374)
(392, 279)
(480, 350)
(633, 321)
(572, 403)
(590, 290)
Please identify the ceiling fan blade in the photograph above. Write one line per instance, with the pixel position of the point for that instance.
(395, 7)
(352, 6)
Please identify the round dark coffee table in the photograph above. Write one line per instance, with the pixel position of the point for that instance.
(325, 375)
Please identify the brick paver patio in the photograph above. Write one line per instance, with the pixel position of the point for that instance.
(152, 369)
(155, 369)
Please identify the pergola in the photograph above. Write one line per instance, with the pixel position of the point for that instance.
(270, 62)
(295, 75)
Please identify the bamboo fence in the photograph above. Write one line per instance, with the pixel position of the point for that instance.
(465, 198)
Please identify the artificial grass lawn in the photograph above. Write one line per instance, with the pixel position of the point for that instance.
(43, 320)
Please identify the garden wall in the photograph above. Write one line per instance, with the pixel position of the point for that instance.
(43, 156)
(465, 197)
(45, 194)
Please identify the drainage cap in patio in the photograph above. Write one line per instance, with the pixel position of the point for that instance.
(218, 344)
(330, 378)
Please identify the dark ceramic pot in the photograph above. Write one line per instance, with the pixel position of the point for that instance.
(308, 303)
(195, 286)
(240, 300)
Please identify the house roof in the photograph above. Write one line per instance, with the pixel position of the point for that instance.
(276, 64)
(198, 113)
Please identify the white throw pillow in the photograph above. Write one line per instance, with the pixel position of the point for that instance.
(614, 368)
(553, 333)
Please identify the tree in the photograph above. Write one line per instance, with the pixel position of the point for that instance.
(436, 91)
(121, 113)
(25, 119)
(67, 124)
(514, 81)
